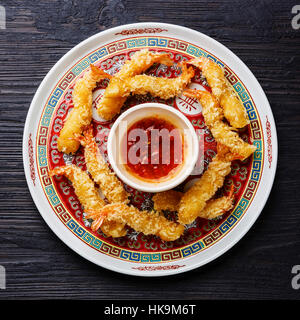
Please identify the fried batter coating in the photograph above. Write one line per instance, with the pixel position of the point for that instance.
(170, 200)
(161, 87)
(141, 221)
(81, 115)
(110, 185)
(224, 134)
(88, 196)
(141, 61)
(167, 200)
(194, 200)
(211, 110)
(117, 90)
(113, 229)
(234, 110)
(216, 207)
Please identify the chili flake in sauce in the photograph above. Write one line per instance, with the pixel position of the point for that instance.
(154, 148)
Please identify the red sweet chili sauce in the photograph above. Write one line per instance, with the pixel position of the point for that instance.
(150, 162)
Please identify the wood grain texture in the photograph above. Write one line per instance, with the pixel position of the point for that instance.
(37, 263)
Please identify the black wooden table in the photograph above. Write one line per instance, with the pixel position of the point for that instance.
(38, 264)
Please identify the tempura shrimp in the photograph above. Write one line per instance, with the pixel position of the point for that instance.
(195, 199)
(167, 200)
(223, 133)
(117, 91)
(141, 221)
(217, 207)
(161, 87)
(110, 185)
(88, 196)
(81, 115)
(234, 110)
(170, 200)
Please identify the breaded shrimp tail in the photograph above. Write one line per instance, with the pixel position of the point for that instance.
(117, 91)
(213, 114)
(88, 195)
(83, 185)
(234, 110)
(161, 87)
(111, 187)
(141, 221)
(195, 199)
(223, 134)
(170, 200)
(211, 110)
(141, 61)
(81, 115)
(217, 207)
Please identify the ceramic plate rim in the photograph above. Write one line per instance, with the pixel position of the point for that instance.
(70, 240)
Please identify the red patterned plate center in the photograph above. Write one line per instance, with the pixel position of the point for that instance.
(192, 109)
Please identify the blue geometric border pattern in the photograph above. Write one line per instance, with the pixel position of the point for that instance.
(51, 104)
(192, 249)
(148, 257)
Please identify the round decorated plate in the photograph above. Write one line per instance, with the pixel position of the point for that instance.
(136, 253)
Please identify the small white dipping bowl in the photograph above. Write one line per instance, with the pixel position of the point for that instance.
(145, 110)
